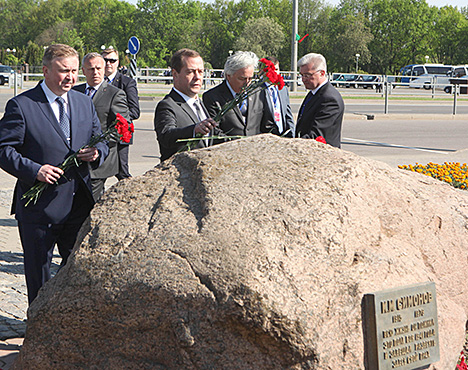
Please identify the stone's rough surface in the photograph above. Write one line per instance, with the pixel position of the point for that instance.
(254, 254)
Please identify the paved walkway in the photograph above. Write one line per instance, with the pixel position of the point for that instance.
(13, 298)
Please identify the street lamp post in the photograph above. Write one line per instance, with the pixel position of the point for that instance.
(357, 62)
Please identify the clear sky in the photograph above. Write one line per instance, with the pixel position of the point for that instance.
(439, 3)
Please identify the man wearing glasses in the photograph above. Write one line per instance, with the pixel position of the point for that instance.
(321, 113)
(127, 84)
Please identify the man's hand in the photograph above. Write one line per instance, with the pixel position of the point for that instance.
(49, 174)
(88, 154)
(204, 127)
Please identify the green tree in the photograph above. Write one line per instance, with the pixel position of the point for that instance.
(450, 36)
(351, 36)
(15, 28)
(401, 33)
(33, 54)
(263, 36)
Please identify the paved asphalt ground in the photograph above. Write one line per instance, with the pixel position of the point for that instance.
(424, 131)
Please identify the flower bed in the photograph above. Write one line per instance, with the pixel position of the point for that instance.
(454, 173)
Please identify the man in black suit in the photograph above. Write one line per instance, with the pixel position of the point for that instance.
(249, 117)
(181, 114)
(321, 113)
(39, 130)
(278, 107)
(108, 100)
(129, 86)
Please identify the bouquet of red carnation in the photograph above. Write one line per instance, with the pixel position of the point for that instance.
(267, 74)
(122, 131)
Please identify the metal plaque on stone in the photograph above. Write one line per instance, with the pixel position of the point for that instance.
(400, 328)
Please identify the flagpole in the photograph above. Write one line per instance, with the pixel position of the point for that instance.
(294, 43)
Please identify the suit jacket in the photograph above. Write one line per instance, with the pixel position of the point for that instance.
(129, 85)
(233, 123)
(108, 101)
(322, 115)
(174, 119)
(286, 113)
(30, 136)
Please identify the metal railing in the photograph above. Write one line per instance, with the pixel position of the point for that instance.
(385, 85)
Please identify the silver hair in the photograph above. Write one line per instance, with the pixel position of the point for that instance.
(90, 56)
(239, 60)
(317, 60)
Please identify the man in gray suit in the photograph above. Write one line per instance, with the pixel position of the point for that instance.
(249, 117)
(278, 106)
(108, 101)
(181, 114)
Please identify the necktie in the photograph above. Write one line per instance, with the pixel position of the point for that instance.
(243, 107)
(274, 95)
(90, 91)
(198, 110)
(276, 107)
(64, 121)
(307, 100)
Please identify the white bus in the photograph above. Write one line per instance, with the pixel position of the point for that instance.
(427, 75)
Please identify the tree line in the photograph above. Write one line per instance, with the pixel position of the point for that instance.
(387, 34)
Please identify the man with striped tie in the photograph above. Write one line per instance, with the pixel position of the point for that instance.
(181, 114)
(249, 117)
(39, 130)
(108, 101)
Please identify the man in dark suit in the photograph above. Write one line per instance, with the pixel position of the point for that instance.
(129, 86)
(321, 113)
(108, 101)
(278, 107)
(181, 114)
(39, 130)
(250, 117)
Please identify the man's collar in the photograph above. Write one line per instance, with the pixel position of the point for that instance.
(230, 88)
(314, 91)
(95, 87)
(188, 99)
(51, 96)
(112, 76)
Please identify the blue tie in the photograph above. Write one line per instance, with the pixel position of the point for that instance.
(243, 107)
(64, 121)
(308, 99)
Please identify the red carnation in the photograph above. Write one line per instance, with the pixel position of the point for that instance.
(281, 82)
(124, 129)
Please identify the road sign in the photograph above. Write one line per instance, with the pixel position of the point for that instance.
(133, 45)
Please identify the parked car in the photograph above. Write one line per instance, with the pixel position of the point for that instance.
(344, 80)
(462, 81)
(369, 82)
(5, 74)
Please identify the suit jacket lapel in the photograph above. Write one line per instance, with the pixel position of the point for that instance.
(99, 92)
(45, 107)
(227, 96)
(268, 100)
(183, 104)
(253, 101)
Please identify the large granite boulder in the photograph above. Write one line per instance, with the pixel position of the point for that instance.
(254, 254)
